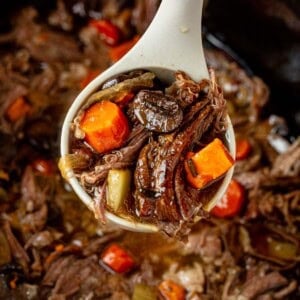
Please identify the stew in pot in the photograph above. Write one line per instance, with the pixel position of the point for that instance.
(51, 246)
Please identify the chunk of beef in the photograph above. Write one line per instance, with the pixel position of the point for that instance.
(158, 161)
(259, 285)
(206, 242)
(157, 112)
(17, 250)
(118, 159)
(185, 90)
(70, 276)
(288, 163)
(42, 239)
(34, 210)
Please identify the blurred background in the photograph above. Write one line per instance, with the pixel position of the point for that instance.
(266, 35)
(263, 36)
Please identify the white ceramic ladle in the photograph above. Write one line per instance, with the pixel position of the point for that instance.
(172, 42)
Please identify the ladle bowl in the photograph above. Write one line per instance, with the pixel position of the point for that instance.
(172, 42)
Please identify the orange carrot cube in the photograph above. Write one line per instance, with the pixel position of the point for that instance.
(208, 164)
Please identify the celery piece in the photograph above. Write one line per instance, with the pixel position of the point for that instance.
(144, 292)
(281, 249)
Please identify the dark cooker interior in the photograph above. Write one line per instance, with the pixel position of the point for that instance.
(265, 38)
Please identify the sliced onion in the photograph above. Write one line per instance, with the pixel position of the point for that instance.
(129, 85)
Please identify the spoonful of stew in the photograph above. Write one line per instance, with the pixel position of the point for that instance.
(148, 144)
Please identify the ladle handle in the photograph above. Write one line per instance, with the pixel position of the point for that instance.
(172, 41)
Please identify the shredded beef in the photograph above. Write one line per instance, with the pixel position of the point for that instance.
(119, 159)
(258, 285)
(36, 38)
(158, 191)
(17, 250)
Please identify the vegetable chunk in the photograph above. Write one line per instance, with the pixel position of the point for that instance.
(243, 149)
(143, 292)
(109, 32)
(18, 109)
(207, 165)
(231, 203)
(117, 259)
(105, 126)
(118, 185)
(170, 290)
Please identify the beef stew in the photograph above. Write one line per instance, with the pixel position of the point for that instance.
(52, 246)
(153, 152)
